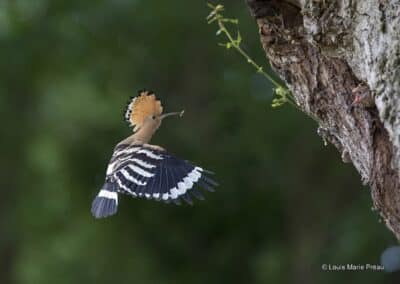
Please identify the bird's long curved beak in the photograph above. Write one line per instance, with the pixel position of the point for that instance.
(172, 113)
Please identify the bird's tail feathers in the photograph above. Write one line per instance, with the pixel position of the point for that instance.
(106, 202)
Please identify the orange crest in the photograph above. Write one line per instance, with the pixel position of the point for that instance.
(140, 107)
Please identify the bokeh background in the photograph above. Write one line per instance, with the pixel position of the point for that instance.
(286, 204)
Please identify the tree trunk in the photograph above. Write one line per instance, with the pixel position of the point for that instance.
(328, 52)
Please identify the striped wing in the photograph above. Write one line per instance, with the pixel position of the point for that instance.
(144, 171)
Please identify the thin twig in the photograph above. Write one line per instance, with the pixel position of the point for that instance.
(282, 94)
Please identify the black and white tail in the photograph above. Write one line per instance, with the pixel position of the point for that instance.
(106, 202)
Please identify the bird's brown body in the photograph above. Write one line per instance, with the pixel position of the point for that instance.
(143, 136)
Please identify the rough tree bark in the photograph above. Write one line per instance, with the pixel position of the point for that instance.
(324, 50)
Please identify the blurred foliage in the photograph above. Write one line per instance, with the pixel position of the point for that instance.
(286, 203)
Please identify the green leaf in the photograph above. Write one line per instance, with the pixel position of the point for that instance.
(210, 5)
(219, 7)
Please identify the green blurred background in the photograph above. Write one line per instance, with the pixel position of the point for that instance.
(285, 205)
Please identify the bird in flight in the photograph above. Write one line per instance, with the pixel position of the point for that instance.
(148, 171)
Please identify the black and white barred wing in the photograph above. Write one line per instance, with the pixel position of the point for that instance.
(143, 171)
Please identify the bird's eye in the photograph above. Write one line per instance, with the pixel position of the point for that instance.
(153, 117)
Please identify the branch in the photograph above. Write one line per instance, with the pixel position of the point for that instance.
(324, 51)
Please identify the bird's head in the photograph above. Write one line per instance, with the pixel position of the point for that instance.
(144, 113)
(153, 121)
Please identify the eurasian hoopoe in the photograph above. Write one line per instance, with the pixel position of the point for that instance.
(144, 170)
